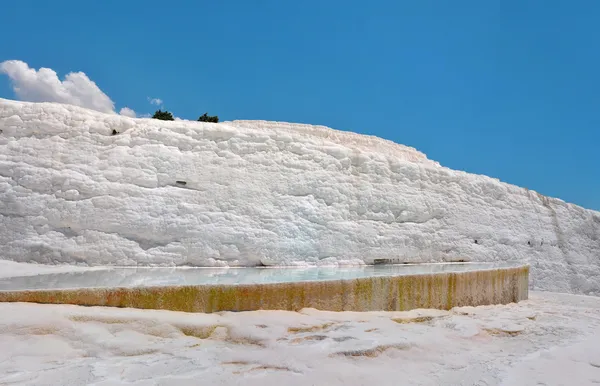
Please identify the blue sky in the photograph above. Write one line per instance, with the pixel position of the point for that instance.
(509, 89)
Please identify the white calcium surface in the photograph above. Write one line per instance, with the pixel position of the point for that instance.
(551, 339)
(248, 193)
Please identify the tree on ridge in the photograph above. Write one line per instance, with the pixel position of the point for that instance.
(163, 115)
(207, 118)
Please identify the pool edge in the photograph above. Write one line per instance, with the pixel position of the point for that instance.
(380, 293)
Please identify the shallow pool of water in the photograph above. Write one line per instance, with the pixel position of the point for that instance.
(147, 277)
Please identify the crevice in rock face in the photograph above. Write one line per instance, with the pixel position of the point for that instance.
(560, 238)
(143, 243)
(146, 244)
(67, 231)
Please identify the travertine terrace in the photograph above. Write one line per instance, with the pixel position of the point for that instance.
(249, 193)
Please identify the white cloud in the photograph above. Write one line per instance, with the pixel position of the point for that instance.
(155, 101)
(43, 85)
(126, 111)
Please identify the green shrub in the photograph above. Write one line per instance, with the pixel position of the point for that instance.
(163, 115)
(207, 118)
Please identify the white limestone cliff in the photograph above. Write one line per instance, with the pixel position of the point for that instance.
(253, 192)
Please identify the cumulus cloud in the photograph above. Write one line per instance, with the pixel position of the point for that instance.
(155, 101)
(126, 111)
(43, 85)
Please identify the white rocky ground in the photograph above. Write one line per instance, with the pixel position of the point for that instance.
(552, 339)
(263, 192)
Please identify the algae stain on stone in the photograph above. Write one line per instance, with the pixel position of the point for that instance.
(320, 327)
(372, 352)
(450, 291)
(363, 292)
(401, 293)
(200, 332)
(417, 319)
(502, 332)
(430, 287)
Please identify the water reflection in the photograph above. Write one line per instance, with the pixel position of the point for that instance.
(145, 277)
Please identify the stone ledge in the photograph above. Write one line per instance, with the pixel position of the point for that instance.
(382, 293)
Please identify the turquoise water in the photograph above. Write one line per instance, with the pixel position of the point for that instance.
(147, 277)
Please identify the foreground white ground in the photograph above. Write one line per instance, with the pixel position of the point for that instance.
(551, 339)
(252, 192)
